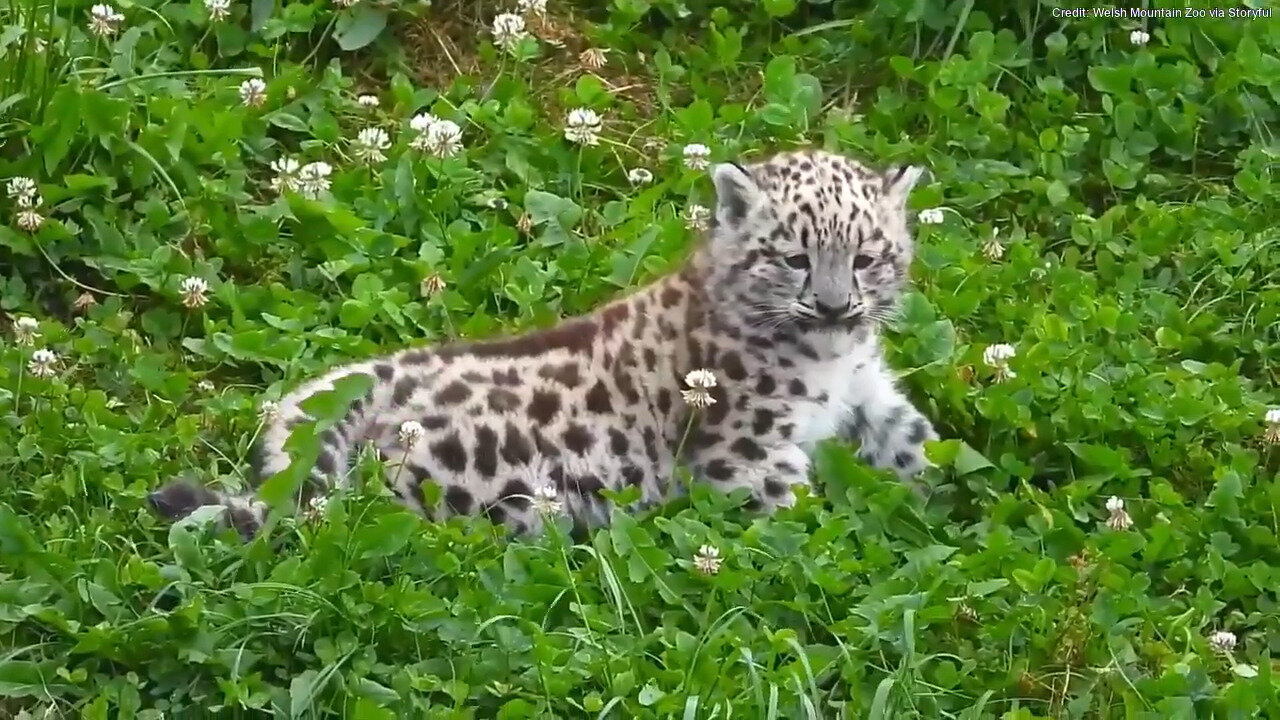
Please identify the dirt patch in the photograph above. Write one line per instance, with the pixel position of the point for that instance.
(442, 44)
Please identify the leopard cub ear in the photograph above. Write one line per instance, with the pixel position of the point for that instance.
(736, 193)
(899, 181)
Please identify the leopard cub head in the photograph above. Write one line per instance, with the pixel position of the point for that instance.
(810, 240)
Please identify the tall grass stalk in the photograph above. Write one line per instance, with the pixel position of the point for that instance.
(32, 72)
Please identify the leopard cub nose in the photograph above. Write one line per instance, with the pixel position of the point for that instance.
(831, 312)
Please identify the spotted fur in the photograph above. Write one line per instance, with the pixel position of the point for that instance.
(808, 256)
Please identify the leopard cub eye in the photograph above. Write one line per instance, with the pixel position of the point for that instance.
(799, 262)
(862, 261)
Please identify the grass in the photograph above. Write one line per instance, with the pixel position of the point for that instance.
(1108, 211)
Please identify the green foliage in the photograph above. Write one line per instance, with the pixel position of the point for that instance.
(1109, 211)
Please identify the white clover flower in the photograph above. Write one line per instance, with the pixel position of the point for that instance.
(930, 216)
(30, 220)
(193, 292)
(316, 507)
(205, 386)
(697, 217)
(29, 201)
(442, 139)
(639, 176)
(700, 382)
(997, 357)
(537, 8)
(368, 101)
(313, 179)
(1139, 37)
(369, 144)
(708, 560)
(432, 285)
(546, 500)
(286, 170)
(508, 30)
(1223, 641)
(219, 10)
(422, 121)
(269, 411)
(697, 398)
(84, 301)
(26, 330)
(43, 364)
(592, 58)
(420, 124)
(697, 156)
(993, 249)
(253, 92)
(1271, 434)
(22, 187)
(701, 378)
(582, 126)
(411, 431)
(104, 21)
(1119, 518)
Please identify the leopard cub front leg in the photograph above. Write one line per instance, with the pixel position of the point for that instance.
(768, 469)
(891, 431)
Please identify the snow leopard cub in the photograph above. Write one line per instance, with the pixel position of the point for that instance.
(781, 300)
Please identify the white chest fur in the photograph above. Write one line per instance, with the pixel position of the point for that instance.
(833, 388)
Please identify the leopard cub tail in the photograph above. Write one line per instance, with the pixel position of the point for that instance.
(178, 499)
(246, 512)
